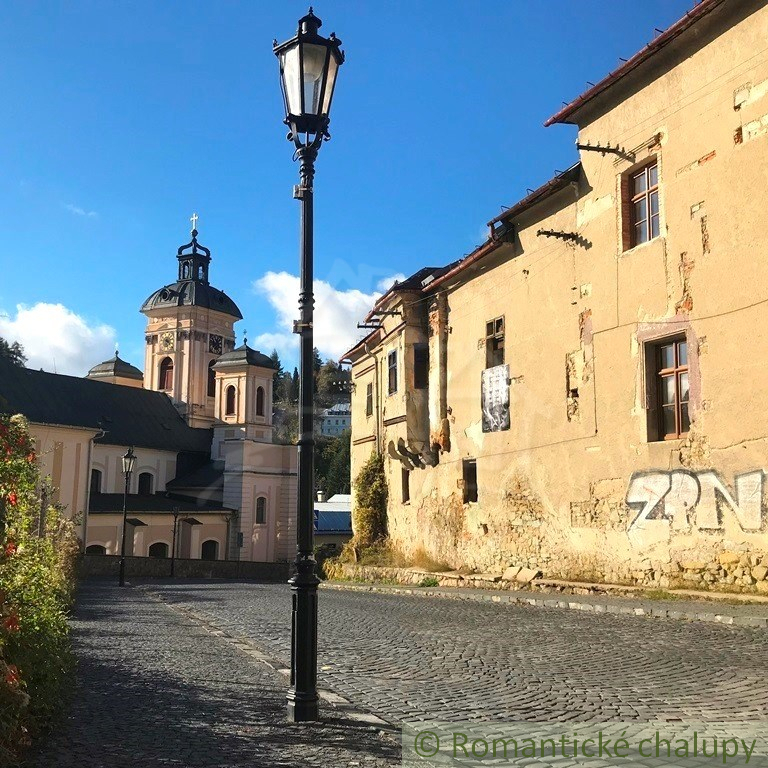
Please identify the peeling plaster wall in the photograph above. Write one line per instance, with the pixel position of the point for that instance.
(566, 490)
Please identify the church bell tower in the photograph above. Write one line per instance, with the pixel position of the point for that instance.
(190, 324)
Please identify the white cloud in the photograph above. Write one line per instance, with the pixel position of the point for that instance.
(56, 339)
(385, 284)
(337, 313)
(78, 211)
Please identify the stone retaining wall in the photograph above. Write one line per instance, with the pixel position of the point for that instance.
(159, 567)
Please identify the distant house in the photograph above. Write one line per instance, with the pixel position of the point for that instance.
(335, 420)
(333, 520)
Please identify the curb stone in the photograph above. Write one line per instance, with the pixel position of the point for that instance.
(596, 604)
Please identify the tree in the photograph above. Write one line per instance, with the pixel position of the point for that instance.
(277, 378)
(293, 395)
(14, 353)
(317, 361)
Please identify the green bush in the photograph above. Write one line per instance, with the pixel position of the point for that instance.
(370, 512)
(38, 549)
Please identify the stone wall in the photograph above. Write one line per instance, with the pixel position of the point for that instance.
(157, 567)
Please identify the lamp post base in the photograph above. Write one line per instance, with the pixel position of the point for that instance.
(302, 696)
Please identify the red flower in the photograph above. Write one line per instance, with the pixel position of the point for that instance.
(12, 676)
(10, 548)
(11, 623)
(13, 499)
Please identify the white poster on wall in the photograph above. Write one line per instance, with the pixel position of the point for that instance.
(494, 398)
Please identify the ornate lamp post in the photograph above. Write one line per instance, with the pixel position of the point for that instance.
(129, 462)
(309, 64)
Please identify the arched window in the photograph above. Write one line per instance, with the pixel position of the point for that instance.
(200, 273)
(260, 401)
(95, 549)
(185, 271)
(146, 482)
(95, 481)
(158, 549)
(231, 394)
(166, 374)
(211, 379)
(209, 550)
(261, 510)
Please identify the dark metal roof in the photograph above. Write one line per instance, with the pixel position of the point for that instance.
(155, 502)
(192, 293)
(128, 415)
(210, 476)
(244, 355)
(566, 114)
(115, 367)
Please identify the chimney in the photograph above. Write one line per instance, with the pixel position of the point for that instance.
(321, 497)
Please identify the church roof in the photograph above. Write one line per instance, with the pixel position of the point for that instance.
(128, 415)
(154, 502)
(244, 355)
(192, 289)
(192, 293)
(209, 476)
(115, 367)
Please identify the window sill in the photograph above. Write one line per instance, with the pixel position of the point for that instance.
(641, 246)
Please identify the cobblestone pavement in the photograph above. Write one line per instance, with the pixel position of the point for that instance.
(155, 689)
(405, 657)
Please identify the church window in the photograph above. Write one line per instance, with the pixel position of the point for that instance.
(200, 273)
(261, 510)
(166, 374)
(260, 401)
(230, 406)
(145, 483)
(211, 379)
(95, 481)
(95, 549)
(209, 550)
(185, 271)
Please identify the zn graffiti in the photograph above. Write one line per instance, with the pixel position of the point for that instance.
(696, 499)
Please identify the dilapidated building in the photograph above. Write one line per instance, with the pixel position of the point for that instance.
(584, 393)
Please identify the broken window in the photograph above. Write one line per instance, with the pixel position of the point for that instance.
(640, 199)
(494, 342)
(420, 366)
(392, 372)
(469, 476)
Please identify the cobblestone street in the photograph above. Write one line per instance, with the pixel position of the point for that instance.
(407, 657)
(169, 674)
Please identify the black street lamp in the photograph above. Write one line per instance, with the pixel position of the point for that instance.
(129, 462)
(309, 64)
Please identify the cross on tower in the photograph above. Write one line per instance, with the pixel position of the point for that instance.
(193, 218)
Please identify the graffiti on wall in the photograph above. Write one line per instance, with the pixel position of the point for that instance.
(696, 499)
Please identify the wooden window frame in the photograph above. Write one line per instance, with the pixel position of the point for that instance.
(494, 342)
(368, 400)
(166, 374)
(392, 372)
(630, 199)
(676, 371)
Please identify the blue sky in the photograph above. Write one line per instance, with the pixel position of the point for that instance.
(121, 119)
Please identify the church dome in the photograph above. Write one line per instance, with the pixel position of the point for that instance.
(192, 289)
(243, 355)
(115, 368)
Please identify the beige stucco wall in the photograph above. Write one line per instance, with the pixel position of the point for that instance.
(573, 488)
(63, 455)
(108, 460)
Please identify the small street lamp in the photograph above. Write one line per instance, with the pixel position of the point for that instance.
(129, 462)
(309, 64)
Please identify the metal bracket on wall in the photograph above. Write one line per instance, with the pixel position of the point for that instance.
(298, 326)
(557, 234)
(607, 149)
